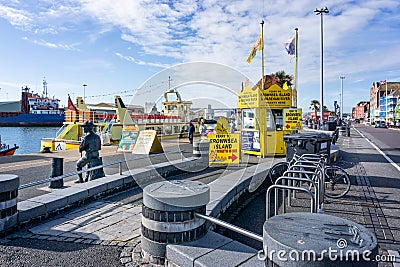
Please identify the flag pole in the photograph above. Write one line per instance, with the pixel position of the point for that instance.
(386, 115)
(262, 54)
(295, 64)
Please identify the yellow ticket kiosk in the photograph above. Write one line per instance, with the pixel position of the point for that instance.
(260, 113)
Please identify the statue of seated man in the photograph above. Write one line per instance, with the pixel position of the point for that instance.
(91, 144)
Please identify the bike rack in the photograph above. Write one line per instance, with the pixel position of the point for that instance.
(307, 168)
(276, 186)
(315, 176)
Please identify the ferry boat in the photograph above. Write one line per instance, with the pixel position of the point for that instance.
(6, 150)
(109, 123)
(35, 110)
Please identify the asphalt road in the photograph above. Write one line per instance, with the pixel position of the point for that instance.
(388, 140)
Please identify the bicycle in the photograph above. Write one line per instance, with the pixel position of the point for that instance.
(337, 180)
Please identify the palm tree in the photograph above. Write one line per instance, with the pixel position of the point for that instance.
(282, 77)
(314, 105)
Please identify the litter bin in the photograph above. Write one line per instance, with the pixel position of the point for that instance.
(307, 143)
(330, 126)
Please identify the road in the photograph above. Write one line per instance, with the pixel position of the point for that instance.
(387, 140)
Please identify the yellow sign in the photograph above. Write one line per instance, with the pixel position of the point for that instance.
(147, 142)
(224, 149)
(248, 98)
(278, 98)
(292, 118)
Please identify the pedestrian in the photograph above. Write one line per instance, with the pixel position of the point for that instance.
(191, 131)
(232, 126)
(202, 129)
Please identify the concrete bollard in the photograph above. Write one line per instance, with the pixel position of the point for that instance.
(57, 169)
(168, 216)
(9, 184)
(200, 149)
(314, 239)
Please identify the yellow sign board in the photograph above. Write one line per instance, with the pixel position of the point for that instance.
(292, 118)
(248, 98)
(147, 142)
(278, 98)
(224, 148)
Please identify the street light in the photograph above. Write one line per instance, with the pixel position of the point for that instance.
(321, 12)
(341, 96)
(84, 95)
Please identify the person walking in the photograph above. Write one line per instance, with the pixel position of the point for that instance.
(191, 131)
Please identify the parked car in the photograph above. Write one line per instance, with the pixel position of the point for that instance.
(380, 124)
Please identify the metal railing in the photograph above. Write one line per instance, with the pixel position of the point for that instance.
(52, 179)
(231, 227)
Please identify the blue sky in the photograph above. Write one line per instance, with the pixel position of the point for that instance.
(119, 46)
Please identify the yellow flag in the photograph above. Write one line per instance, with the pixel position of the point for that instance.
(258, 45)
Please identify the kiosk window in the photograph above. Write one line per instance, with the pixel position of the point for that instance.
(270, 121)
(248, 117)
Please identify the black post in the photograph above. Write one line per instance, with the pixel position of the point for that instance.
(57, 170)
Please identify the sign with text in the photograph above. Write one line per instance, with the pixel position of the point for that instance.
(292, 118)
(128, 139)
(278, 98)
(250, 140)
(147, 142)
(224, 148)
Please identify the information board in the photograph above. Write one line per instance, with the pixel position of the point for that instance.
(224, 148)
(147, 142)
(292, 118)
(128, 139)
(250, 140)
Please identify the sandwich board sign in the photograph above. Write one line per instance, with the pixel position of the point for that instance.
(128, 139)
(147, 143)
(224, 149)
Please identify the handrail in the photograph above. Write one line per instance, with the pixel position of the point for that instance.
(231, 227)
(51, 179)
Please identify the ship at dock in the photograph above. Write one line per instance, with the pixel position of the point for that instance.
(171, 122)
(32, 110)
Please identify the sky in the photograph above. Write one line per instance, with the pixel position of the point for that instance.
(130, 48)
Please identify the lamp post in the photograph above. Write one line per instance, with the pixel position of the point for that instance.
(341, 96)
(321, 12)
(84, 94)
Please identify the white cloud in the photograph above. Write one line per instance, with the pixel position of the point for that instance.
(67, 47)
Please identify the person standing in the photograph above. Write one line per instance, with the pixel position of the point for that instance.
(202, 129)
(191, 131)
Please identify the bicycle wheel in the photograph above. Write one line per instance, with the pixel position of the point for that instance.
(337, 182)
(277, 171)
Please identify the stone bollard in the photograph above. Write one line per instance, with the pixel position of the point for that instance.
(57, 169)
(314, 239)
(9, 184)
(168, 216)
(200, 149)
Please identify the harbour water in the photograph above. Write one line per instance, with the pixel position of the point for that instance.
(27, 138)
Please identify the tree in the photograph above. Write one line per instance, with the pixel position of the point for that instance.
(314, 105)
(282, 77)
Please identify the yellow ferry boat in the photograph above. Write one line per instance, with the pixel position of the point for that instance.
(109, 123)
